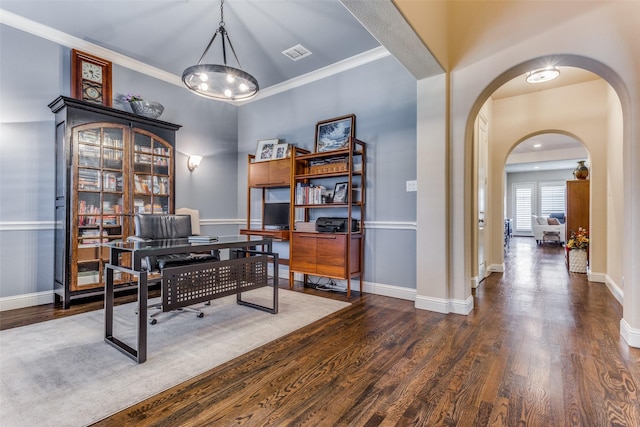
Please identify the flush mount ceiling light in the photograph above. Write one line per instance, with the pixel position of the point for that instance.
(220, 81)
(542, 75)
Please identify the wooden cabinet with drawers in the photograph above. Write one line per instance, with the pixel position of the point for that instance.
(340, 254)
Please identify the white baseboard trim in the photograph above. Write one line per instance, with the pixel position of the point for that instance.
(475, 282)
(596, 277)
(615, 290)
(389, 291)
(445, 306)
(630, 335)
(26, 300)
(496, 268)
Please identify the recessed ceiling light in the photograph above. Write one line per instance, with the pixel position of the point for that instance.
(536, 167)
(537, 145)
(542, 75)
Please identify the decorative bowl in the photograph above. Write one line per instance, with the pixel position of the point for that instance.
(152, 110)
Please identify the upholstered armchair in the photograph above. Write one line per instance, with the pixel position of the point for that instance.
(541, 224)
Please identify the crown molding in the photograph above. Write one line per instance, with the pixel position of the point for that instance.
(64, 39)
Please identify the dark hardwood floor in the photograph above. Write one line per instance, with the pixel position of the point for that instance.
(541, 348)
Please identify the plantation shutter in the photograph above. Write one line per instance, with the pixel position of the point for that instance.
(552, 198)
(523, 207)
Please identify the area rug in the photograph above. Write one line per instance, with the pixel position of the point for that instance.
(62, 373)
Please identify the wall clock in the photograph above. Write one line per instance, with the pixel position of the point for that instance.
(90, 78)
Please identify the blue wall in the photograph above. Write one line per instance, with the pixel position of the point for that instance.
(382, 95)
(34, 71)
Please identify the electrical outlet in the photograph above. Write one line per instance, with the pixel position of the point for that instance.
(412, 185)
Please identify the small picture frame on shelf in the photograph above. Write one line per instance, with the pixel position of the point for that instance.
(334, 134)
(340, 192)
(280, 151)
(265, 150)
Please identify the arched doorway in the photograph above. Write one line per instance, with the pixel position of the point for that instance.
(537, 168)
(607, 239)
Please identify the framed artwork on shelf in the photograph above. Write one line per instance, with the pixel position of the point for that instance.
(280, 151)
(90, 78)
(334, 134)
(265, 150)
(340, 192)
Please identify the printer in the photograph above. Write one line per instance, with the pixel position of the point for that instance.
(334, 225)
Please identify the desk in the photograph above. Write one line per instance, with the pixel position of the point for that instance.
(241, 274)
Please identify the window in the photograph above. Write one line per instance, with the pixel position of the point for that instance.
(552, 198)
(523, 208)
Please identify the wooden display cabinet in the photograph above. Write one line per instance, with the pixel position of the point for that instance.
(577, 200)
(265, 176)
(338, 255)
(110, 165)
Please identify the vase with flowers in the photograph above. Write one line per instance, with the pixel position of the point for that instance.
(577, 249)
(143, 108)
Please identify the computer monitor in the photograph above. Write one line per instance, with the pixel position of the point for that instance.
(276, 216)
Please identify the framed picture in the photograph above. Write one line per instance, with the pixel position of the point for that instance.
(340, 192)
(265, 150)
(280, 151)
(333, 134)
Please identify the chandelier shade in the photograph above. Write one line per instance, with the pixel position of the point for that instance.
(218, 81)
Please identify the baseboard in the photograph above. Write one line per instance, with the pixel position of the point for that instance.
(630, 335)
(615, 290)
(496, 268)
(596, 277)
(475, 282)
(26, 300)
(392, 291)
(445, 306)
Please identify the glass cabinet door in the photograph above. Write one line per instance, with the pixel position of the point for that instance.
(152, 185)
(99, 214)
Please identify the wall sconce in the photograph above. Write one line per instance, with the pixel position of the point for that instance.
(193, 162)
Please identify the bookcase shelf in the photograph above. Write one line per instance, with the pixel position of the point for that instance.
(337, 255)
(103, 156)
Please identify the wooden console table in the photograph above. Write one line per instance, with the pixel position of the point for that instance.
(188, 284)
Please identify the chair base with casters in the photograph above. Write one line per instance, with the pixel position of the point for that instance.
(150, 227)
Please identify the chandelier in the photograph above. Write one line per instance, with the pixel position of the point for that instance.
(220, 81)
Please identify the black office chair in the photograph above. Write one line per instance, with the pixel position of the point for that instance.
(152, 227)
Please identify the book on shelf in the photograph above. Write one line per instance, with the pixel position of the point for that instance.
(202, 238)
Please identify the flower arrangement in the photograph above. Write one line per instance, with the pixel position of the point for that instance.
(579, 239)
(130, 97)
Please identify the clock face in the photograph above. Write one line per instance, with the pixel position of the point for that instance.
(92, 72)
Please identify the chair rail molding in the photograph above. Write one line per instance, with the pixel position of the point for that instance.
(26, 225)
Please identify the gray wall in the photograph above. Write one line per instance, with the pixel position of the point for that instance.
(382, 95)
(33, 72)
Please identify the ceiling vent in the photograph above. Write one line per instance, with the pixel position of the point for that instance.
(297, 52)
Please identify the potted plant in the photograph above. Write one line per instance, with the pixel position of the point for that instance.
(577, 250)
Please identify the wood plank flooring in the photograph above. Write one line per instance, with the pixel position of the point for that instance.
(541, 348)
